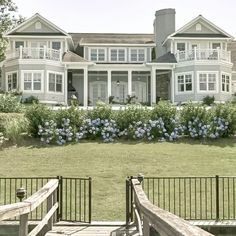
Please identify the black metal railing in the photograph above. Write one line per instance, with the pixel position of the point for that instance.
(74, 196)
(192, 198)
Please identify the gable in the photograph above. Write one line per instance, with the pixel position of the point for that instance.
(37, 25)
(200, 27)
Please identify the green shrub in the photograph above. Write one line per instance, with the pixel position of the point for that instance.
(38, 114)
(101, 111)
(208, 100)
(31, 99)
(10, 103)
(12, 125)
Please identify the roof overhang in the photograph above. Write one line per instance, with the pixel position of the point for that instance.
(118, 44)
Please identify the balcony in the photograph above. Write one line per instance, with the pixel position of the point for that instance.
(203, 55)
(34, 53)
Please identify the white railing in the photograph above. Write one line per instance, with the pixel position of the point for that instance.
(34, 53)
(203, 55)
(47, 193)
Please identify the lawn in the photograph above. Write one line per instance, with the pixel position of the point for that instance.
(110, 164)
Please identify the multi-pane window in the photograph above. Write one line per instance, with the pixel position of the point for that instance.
(215, 45)
(117, 55)
(55, 82)
(207, 82)
(225, 80)
(56, 45)
(181, 46)
(12, 81)
(137, 55)
(19, 43)
(32, 81)
(97, 54)
(185, 83)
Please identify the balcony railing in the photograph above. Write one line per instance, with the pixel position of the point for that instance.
(34, 53)
(203, 55)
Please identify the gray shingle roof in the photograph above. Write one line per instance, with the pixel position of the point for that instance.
(191, 35)
(166, 58)
(232, 47)
(110, 38)
(72, 57)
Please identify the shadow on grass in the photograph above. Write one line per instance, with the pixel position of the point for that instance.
(29, 142)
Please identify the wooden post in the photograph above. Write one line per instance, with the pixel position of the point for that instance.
(49, 206)
(44, 52)
(23, 229)
(146, 226)
(21, 51)
(195, 53)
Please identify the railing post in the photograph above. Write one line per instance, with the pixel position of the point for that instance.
(127, 195)
(59, 198)
(146, 226)
(90, 199)
(21, 51)
(49, 206)
(60, 55)
(44, 51)
(195, 53)
(217, 199)
(229, 56)
(218, 54)
(177, 55)
(23, 229)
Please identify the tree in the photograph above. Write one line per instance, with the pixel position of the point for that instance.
(8, 19)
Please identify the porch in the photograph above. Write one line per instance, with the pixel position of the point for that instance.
(118, 87)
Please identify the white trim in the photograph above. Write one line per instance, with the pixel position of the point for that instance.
(145, 55)
(119, 44)
(32, 81)
(208, 91)
(17, 79)
(63, 82)
(176, 83)
(117, 58)
(230, 82)
(97, 48)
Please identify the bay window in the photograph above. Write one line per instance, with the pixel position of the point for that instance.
(184, 82)
(12, 81)
(32, 81)
(207, 82)
(55, 82)
(225, 83)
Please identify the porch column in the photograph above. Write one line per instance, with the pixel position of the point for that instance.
(130, 82)
(85, 87)
(172, 86)
(153, 86)
(108, 84)
(66, 86)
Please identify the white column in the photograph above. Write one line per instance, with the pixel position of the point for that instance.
(85, 87)
(108, 83)
(153, 86)
(66, 86)
(21, 51)
(130, 82)
(172, 86)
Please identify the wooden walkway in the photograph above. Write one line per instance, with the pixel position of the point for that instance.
(92, 230)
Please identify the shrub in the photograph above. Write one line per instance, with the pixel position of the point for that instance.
(10, 103)
(208, 100)
(12, 125)
(31, 100)
(101, 111)
(37, 114)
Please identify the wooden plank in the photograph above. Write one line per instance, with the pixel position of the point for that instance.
(23, 229)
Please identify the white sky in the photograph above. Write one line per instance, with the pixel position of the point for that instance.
(127, 16)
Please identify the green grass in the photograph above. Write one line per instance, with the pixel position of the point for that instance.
(110, 164)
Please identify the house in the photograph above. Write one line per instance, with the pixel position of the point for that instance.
(188, 64)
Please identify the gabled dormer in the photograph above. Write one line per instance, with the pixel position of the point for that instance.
(37, 37)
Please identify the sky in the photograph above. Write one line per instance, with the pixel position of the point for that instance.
(127, 16)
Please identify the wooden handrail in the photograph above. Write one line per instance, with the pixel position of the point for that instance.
(23, 208)
(164, 222)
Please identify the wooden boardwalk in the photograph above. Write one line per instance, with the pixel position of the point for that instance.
(92, 230)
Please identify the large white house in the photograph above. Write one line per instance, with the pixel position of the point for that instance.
(188, 64)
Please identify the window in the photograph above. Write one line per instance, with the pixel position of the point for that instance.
(181, 46)
(97, 54)
(216, 45)
(185, 83)
(11, 81)
(55, 82)
(137, 55)
(225, 80)
(56, 45)
(32, 81)
(117, 55)
(19, 43)
(207, 82)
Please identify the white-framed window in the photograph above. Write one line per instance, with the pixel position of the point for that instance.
(137, 55)
(12, 80)
(55, 82)
(181, 46)
(32, 81)
(56, 45)
(184, 82)
(117, 55)
(225, 82)
(215, 45)
(207, 82)
(97, 54)
(19, 43)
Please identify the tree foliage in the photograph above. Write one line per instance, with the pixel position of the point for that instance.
(8, 19)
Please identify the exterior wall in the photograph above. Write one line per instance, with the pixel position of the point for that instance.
(196, 95)
(204, 30)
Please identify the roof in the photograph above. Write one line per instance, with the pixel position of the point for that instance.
(188, 35)
(72, 57)
(166, 58)
(111, 38)
(231, 46)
